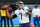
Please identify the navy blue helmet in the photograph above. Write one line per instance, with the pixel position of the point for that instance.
(19, 2)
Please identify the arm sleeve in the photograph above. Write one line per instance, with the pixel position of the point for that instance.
(14, 15)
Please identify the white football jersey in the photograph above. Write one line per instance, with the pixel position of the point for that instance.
(35, 12)
(39, 11)
(22, 15)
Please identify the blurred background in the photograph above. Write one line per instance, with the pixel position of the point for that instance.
(16, 20)
(11, 2)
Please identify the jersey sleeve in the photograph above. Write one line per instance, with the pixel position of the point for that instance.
(26, 9)
(14, 15)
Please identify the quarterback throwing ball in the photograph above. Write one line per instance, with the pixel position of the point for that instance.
(22, 13)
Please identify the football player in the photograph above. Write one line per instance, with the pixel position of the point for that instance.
(3, 14)
(35, 15)
(22, 13)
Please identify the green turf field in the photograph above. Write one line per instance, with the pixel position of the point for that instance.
(10, 26)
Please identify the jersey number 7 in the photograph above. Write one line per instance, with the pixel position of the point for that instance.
(21, 16)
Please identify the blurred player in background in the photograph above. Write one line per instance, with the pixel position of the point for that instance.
(39, 13)
(10, 12)
(22, 13)
(30, 10)
(35, 15)
(11, 9)
(0, 12)
(3, 14)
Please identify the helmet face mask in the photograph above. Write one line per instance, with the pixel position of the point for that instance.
(21, 4)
